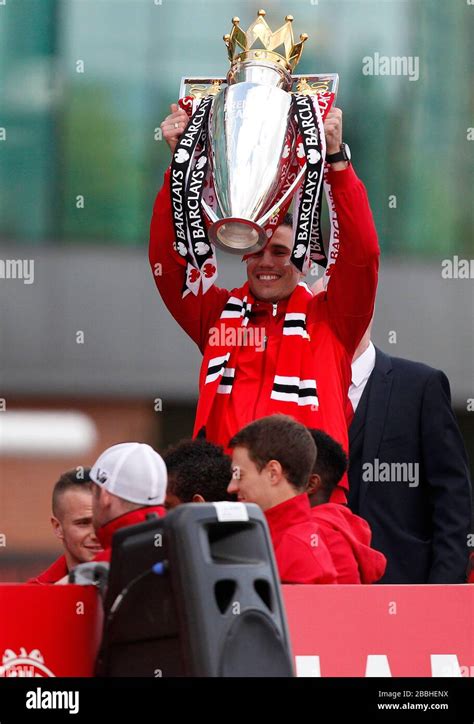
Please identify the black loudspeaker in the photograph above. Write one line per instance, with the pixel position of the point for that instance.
(195, 593)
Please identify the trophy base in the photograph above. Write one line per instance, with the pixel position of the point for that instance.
(237, 236)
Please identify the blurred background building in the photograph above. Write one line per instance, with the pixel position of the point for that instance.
(89, 355)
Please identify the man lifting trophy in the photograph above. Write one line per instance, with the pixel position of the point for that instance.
(243, 149)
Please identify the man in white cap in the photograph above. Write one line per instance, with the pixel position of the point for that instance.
(130, 483)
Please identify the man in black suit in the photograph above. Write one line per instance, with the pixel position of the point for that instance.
(408, 468)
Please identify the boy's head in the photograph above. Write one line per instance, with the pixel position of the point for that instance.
(72, 516)
(272, 460)
(198, 472)
(330, 466)
(271, 274)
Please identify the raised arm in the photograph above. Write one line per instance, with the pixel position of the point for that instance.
(350, 294)
(194, 313)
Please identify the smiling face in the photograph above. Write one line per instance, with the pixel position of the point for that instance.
(251, 485)
(270, 273)
(73, 526)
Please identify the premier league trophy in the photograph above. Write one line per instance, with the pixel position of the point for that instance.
(254, 144)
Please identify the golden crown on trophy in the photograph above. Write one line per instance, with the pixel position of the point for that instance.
(260, 43)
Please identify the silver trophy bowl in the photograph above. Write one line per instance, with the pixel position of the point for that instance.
(248, 128)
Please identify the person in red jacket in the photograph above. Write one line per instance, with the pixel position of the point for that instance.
(289, 325)
(130, 485)
(72, 524)
(273, 458)
(346, 535)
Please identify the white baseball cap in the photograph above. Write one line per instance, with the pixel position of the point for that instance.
(132, 471)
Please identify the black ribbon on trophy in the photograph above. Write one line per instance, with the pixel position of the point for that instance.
(187, 182)
(307, 232)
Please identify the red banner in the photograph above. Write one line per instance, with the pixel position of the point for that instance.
(381, 630)
(49, 630)
(335, 630)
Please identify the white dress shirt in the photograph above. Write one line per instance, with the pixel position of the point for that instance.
(361, 371)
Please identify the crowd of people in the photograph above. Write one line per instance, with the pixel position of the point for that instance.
(276, 463)
(288, 470)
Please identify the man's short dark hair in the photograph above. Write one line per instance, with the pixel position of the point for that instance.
(198, 467)
(287, 220)
(279, 437)
(77, 478)
(331, 462)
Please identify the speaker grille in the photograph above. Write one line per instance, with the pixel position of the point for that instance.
(253, 647)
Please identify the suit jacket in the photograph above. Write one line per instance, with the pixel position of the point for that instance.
(420, 515)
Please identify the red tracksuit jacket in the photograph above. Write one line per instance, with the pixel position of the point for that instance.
(336, 319)
(347, 538)
(54, 573)
(106, 533)
(300, 551)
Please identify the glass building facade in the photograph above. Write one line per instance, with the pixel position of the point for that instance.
(84, 85)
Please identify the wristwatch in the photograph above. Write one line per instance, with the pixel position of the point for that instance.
(344, 154)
